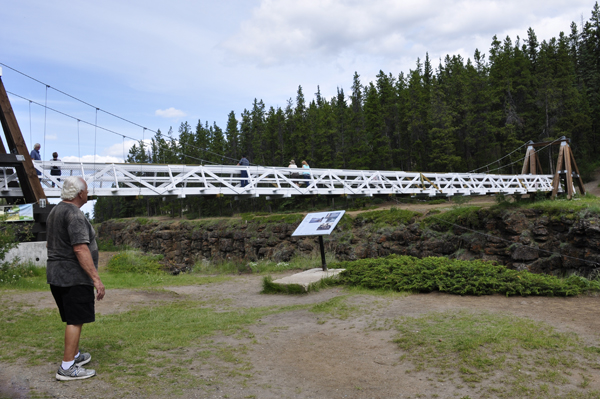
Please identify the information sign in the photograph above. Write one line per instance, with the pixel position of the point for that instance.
(318, 224)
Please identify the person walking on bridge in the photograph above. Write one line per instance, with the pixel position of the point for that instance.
(305, 174)
(72, 272)
(244, 173)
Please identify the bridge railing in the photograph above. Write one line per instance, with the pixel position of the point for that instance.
(182, 180)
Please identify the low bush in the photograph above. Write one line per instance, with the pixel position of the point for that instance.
(406, 273)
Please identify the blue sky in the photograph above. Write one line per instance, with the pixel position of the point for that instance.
(160, 63)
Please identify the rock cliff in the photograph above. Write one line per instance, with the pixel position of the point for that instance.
(528, 239)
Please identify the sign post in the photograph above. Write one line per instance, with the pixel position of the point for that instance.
(319, 224)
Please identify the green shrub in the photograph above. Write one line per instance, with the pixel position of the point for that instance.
(406, 273)
(135, 262)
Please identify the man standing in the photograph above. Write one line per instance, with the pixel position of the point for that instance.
(72, 272)
(35, 155)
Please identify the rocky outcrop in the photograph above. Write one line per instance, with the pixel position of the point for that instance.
(522, 239)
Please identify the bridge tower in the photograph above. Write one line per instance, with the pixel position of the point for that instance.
(566, 167)
(18, 159)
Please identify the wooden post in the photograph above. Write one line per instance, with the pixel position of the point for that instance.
(28, 178)
(567, 153)
(565, 156)
(579, 181)
(556, 178)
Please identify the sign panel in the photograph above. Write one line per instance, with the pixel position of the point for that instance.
(16, 213)
(318, 224)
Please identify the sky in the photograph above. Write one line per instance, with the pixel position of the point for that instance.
(160, 63)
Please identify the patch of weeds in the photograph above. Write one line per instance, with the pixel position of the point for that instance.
(135, 262)
(22, 276)
(460, 200)
(335, 307)
(462, 216)
(107, 245)
(269, 287)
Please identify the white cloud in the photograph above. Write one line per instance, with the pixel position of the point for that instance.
(321, 31)
(170, 113)
(121, 150)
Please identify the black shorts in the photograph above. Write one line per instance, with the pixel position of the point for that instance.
(75, 304)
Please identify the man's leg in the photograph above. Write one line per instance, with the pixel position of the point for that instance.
(72, 334)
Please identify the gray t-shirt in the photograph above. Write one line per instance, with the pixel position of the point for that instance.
(67, 226)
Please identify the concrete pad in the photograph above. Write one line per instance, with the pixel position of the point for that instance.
(308, 277)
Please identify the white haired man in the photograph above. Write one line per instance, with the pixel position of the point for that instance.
(72, 272)
(35, 155)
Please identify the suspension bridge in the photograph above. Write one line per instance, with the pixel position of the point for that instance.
(113, 180)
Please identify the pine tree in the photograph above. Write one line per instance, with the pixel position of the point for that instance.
(378, 155)
(232, 134)
(358, 154)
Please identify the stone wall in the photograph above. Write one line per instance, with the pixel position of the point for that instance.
(521, 239)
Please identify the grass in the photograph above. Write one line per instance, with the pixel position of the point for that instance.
(470, 348)
(135, 262)
(22, 276)
(337, 307)
(391, 217)
(140, 348)
(586, 204)
(465, 216)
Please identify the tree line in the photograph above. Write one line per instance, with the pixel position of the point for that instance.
(456, 116)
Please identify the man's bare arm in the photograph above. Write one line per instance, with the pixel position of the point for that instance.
(84, 256)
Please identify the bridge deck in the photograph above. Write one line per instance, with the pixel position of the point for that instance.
(111, 180)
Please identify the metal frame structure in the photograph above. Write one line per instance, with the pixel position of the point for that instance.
(113, 180)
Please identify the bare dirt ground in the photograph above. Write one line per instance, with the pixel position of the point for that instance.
(301, 354)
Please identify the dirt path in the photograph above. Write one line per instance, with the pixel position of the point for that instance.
(300, 354)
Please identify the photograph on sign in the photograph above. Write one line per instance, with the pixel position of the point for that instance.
(316, 224)
(16, 213)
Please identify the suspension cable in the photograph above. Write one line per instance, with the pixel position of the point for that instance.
(497, 160)
(45, 112)
(99, 127)
(30, 135)
(106, 112)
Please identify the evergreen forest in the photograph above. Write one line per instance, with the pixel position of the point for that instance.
(449, 115)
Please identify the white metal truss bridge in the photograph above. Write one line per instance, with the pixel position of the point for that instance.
(125, 179)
